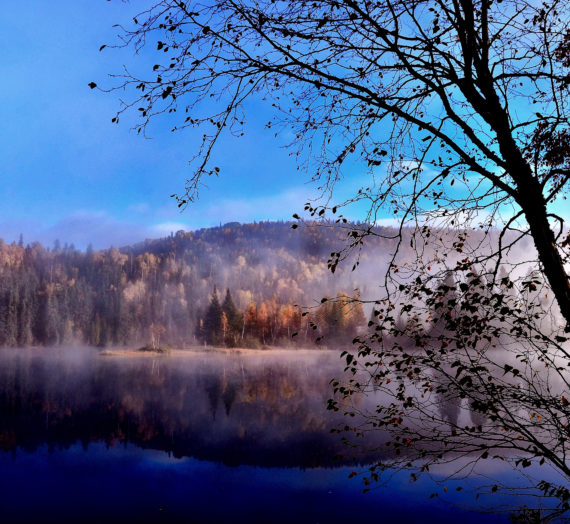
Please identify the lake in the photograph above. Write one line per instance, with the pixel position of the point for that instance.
(193, 437)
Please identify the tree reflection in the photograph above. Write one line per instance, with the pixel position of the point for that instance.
(232, 409)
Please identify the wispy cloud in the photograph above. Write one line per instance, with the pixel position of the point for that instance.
(81, 228)
(247, 209)
(165, 228)
(388, 222)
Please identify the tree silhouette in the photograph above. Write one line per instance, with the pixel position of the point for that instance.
(458, 109)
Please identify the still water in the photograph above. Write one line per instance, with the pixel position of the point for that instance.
(193, 437)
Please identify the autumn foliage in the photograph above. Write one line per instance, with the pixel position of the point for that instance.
(164, 292)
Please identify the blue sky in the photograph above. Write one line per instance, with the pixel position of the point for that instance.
(68, 173)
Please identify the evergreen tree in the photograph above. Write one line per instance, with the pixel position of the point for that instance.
(51, 318)
(234, 320)
(212, 328)
(8, 316)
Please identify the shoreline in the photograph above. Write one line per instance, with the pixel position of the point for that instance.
(201, 350)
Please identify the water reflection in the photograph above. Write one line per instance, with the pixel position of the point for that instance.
(233, 408)
(245, 410)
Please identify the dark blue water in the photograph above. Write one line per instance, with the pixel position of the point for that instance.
(194, 438)
(122, 484)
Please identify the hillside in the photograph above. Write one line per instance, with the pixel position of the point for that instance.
(236, 285)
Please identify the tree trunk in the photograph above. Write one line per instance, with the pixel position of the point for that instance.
(530, 197)
(548, 253)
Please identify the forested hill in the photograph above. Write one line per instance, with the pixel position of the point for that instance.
(235, 285)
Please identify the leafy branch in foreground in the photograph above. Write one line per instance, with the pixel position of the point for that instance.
(458, 111)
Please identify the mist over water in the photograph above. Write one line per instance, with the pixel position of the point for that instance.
(239, 408)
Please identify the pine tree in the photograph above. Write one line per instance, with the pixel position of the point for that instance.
(234, 320)
(212, 328)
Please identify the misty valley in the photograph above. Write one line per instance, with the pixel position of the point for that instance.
(171, 291)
